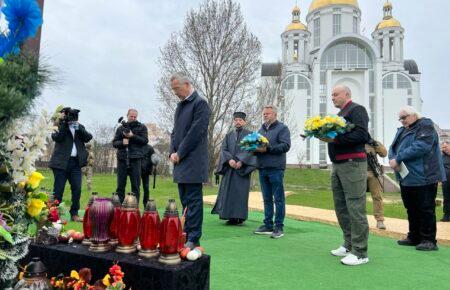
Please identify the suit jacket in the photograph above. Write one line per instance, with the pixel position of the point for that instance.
(189, 139)
(63, 146)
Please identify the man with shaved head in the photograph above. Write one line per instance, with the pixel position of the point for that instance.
(348, 178)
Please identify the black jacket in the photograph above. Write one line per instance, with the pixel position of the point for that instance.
(63, 146)
(351, 143)
(146, 163)
(279, 143)
(136, 143)
(189, 139)
(446, 159)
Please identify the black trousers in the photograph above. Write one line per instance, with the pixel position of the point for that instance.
(73, 174)
(446, 193)
(145, 176)
(420, 204)
(134, 171)
(191, 196)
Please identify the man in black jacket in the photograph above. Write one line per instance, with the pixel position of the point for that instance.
(349, 178)
(271, 163)
(130, 140)
(189, 153)
(68, 157)
(446, 184)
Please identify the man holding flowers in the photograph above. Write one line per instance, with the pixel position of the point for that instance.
(271, 162)
(348, 179)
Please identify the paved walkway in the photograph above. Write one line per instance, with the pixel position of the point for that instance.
(396, 228)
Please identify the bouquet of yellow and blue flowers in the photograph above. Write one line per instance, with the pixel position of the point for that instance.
(253, 141)
(326, 127)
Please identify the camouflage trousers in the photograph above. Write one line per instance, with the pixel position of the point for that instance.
(88, 171)
(374, 186)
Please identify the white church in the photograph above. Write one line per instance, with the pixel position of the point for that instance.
(331, 50)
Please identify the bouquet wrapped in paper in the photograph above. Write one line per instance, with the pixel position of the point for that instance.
(253, 141)
(326, 127)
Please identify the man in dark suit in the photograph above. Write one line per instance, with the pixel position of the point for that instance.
(68, 157)
(189, 153)
(130, 140)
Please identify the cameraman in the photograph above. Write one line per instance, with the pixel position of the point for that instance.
(130, 140)
(68, 157)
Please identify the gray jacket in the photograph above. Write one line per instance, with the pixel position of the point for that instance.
(279, 143)
(189, 139)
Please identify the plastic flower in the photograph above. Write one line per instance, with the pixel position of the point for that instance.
(106, 280)
(35, 179)
(24, 18)
(74, 274)
(35, 206)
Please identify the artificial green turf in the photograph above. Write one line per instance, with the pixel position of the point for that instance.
(301, 259)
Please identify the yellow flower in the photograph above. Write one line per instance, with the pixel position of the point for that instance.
(106, 279)
(35, 179)
(74, 274)
(35, 206)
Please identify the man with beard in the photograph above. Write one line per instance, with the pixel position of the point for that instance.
(236, 166)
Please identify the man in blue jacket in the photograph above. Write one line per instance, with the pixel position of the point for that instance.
(416, 148)
(271, 162)
(189, 153)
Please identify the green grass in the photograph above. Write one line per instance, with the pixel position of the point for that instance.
(311, 187)
(301, 259)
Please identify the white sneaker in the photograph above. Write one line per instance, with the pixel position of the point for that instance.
(352, 260)
(340, 252)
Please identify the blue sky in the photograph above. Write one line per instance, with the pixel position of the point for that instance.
(105, 51)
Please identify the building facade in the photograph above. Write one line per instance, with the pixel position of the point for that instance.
(331, 50)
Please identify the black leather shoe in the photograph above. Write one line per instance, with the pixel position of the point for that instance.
(407, 242)
(427, 246)
(445, 218)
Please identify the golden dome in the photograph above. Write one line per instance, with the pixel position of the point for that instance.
(391, 22)
(387, 5)
(317, 4)
(296, 26)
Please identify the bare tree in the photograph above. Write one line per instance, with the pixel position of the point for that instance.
(270, 91)
(221, 57)
(104, 153)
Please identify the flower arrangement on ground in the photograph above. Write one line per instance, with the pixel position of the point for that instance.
(326, 127)
(21, 80)
(253, 141)
(80, 280)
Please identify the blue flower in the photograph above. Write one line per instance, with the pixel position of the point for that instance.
(24, 19)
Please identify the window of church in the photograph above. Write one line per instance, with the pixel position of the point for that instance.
(409, 101)
(372, 115)
(308, 107)
(296, 51)
(355, 24)
(322, 152)
(316, 32)
(391, 49)
(388, 82)
(371, 81)
(336, 24)
(303, 84)
(290, 82)
(308, 149)
(346, 55)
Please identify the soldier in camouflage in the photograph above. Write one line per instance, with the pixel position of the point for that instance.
(88, 171)
(375, 179)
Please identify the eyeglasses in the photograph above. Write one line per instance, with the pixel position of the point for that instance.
(403, 117)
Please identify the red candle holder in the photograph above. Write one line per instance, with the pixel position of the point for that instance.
(128, 226)
(171, 236)
(87, 230)
(149, 231)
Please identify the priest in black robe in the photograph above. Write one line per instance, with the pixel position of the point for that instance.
(236, 166)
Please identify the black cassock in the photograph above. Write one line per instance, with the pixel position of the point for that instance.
(232, 200)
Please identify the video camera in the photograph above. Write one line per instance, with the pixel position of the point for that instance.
(70, 115)
(126, 128)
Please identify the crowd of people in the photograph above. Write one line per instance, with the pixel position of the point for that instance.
(416, 157)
